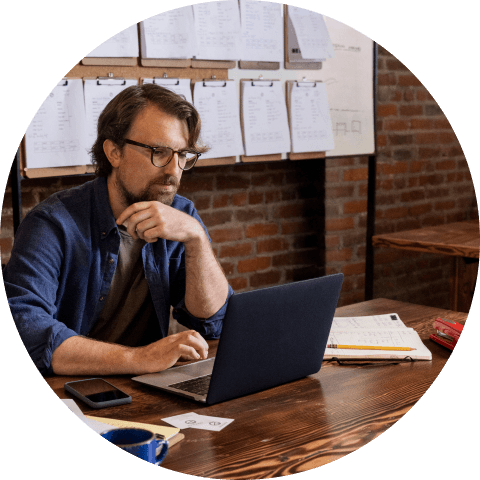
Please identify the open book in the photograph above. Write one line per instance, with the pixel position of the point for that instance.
(376, 330)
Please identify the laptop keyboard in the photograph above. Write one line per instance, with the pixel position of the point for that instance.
(198, 386)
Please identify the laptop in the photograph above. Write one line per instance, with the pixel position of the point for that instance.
(270, 336)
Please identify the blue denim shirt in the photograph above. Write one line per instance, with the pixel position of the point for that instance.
(62, 264)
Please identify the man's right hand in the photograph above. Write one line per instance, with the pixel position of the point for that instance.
(164, 353)
(84, 356)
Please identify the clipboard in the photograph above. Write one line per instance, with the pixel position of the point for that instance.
(275, 157)
(293, 56)
(251, 65)
(110, 61)
(213, 63)
(290, 84)
(208, 162)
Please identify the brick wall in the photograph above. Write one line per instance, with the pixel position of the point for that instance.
(277, 222)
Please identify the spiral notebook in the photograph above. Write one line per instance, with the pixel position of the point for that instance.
(377, 331)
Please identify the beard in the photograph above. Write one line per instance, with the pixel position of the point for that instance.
(149, 193)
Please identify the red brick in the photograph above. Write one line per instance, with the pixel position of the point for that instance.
(226, 235)
(417, 210)
(386, 110)
(408, 81)
(216, 218)
(300, 226)
(237, 250)
(220, 201)
(448, 205)
(332, 225)
(354, 269)
(239, 199)
(265, 278)
(393, 168)
(261, 229)
(253, 264)
(357, 206)
(396, 125)
(421, 124)
(397, 212)
(446, 165)
(411, 110)
(427, 137)
(238, 283)
(387, 79)
(355, 175)
(255, 198)
(343, 255)
(289, 211)
(271, 245)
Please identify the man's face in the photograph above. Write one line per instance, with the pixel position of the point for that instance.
(136, 179)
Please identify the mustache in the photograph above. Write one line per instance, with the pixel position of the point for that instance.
(169, 180)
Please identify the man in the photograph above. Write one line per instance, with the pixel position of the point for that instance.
(94, 269)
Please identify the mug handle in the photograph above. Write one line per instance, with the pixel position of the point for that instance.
(160, 439)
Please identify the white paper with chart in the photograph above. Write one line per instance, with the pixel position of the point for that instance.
(123, 44)
(262, 31)
(217, 30)
(310, 122)
(169, 35)
(264, 117)
(97, 95)
(218, 106)
(57, 135)
(312, 33)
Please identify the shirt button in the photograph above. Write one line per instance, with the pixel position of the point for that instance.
(111, 260)
(101, 299)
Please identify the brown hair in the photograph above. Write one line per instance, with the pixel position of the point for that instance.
(117, 117)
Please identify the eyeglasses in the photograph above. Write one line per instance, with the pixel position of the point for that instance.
(162, 156)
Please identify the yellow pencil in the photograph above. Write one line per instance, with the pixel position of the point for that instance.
(366, 347)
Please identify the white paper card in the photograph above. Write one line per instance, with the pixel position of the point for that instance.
(262, 31)
(217, 30)
(123, 44)
(310, 122)
(387, 321)
(57, 136)
(97, 98)
(193, 420)
(169, 35)
(218, 106)
(312, 33)
(265, 122)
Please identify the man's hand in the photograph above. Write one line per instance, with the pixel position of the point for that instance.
(153, 220)
(84, 356)
(164, 353)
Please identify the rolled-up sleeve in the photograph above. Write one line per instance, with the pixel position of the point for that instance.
(31, 283)
(209, 328)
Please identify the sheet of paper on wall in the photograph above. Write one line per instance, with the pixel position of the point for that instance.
(310, 123)
(97, 95)
(350, 91)
(177, 85)
(168, 35)
(262, 31)
(217, 30)
(57, 135)
(123, 44)
(217, 103)
(312, 33)
(265, 122)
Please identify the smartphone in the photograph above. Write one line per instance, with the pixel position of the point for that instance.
(97, 393)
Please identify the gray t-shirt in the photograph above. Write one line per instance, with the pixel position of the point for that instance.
(128, 316)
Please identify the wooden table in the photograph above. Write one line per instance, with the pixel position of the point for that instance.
(460, 240)
(293, 427)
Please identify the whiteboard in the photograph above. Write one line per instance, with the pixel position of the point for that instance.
(349, 78)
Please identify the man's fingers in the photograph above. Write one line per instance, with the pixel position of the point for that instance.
(132, 209)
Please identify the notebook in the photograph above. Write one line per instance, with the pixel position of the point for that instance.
(270, 336)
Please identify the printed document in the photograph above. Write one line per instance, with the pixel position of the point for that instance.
(168, 35)
(57, 137)
(265, 122)
(217, 104)
(312, 34)
(97, 95)
(311, 126)
(262, 31)
(123, 44)
(217, 30)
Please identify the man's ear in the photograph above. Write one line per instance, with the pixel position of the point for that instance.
(113, 152)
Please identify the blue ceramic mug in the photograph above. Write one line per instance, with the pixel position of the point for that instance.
(139, 442)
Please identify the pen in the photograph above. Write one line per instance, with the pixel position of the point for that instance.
(366, 347)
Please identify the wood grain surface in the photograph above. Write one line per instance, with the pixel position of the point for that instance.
(297, 426)
(461, 239)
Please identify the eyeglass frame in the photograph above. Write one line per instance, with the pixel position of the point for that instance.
(153, 149)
